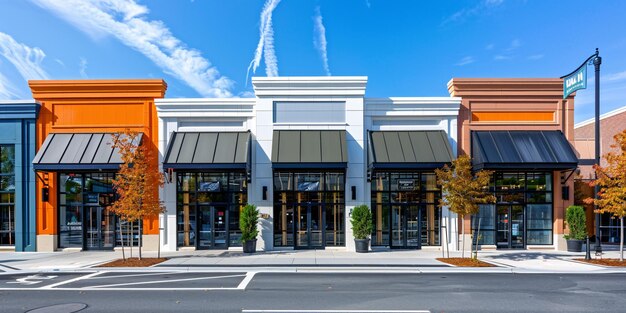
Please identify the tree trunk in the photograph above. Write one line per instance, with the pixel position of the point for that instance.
(122, 241)
(131, 235)
(140, 235)
(463, 236)
(621, 239)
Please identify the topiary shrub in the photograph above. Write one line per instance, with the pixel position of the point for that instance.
(576, 222)
(248, 221)
(361, 220)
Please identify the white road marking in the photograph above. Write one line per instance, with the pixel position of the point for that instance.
(72, 280)
(26, 280)
(244, 283)
(137, 275)
(164, 281)
(335, 311)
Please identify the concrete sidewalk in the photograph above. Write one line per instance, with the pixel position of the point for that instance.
(547, 261)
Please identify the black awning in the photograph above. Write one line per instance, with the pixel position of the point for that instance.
(208, 150)
(309, 149)
(78, 152)
(522, 150)
(409, 149)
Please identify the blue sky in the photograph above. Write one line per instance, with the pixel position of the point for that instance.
(207, 48)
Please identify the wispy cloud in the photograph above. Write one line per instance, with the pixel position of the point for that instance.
(466, 60)
(368, 4)
(265, 48)
(26, 60)
(501, 57)
(83, 67)
(535, 56)
(515, 44)
(612, 90)
(127, 21)
(481, 8)
(59, 62)
(7, 89)
(490, 46)
(509, 52)
(319, 39)
(614, 77)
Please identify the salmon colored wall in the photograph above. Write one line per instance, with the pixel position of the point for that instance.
(88, 106)
(516, 104)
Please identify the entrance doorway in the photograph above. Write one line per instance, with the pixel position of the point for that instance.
(310, 226)
(100, 230)
(212, 227)
(510, 227)
(405, 230)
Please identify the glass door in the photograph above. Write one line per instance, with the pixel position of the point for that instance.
(205, 228)
(220, 223)
(517, 227)
(212, 227)
(100, 230)
(397, 226)
(310, 230)
(405, 227)
(510, 227)
(412, 227)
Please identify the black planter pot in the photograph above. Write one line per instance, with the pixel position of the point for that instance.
(362, 245)
(574, 245)
(249, 246)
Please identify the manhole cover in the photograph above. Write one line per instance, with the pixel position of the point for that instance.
(60, 308)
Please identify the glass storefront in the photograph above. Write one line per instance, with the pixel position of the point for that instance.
(522, 214)
(309, 209)
(405, 209)
(7, 195)
(84, 217)
(208, 207)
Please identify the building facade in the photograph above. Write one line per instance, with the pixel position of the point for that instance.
(305, 151)
(611, 124)
(17, 179)
(76, 162)
(522, 130)
(300, 151)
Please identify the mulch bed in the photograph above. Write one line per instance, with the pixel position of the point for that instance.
(465, 262)
(604, 262)
(134, 262)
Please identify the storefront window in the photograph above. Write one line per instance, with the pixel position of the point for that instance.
(84, 218)
(309, 209)
(405, 209)
(208, 208)
(7, 195)
(524, 211)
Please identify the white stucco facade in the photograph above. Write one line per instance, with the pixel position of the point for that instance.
(257, 116)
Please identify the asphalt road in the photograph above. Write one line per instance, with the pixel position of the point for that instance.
(320, 292)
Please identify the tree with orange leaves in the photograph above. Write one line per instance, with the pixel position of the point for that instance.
(612, 182)
(463, 190)
(137, 181)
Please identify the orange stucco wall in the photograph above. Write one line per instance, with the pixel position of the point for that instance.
(87, 106)
(516, 104)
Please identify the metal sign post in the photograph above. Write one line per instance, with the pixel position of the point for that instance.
(578, 80)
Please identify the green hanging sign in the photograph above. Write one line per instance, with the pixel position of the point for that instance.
(575, 81)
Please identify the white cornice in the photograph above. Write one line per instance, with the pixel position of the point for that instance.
(414, 101)
(8, 102)
(349, 86)
(412, 106)
(603, 116)
(205, 107)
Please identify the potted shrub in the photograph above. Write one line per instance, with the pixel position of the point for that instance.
(248, 221)
(576, 222)
(361, 219)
